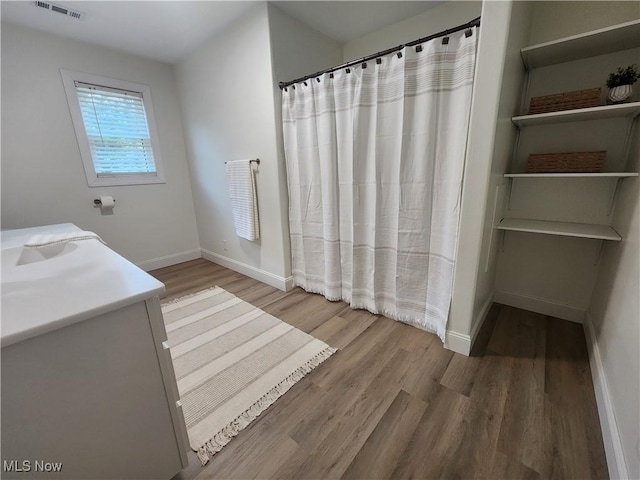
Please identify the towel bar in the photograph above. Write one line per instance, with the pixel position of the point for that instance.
(257, 160)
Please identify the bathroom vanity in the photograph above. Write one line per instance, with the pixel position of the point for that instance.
(87, 379)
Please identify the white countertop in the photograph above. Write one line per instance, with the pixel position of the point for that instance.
(86, 280)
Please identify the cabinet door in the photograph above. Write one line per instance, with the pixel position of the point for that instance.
(156, 322)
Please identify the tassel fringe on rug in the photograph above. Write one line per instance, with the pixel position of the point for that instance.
(223, 437)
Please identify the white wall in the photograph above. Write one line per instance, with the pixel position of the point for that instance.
(505, 134)
(43, 180)
(226, 97)
(490, 64)
(296, 51)
(230, 109)
(447, 15)
(558, 19)
(613, 332)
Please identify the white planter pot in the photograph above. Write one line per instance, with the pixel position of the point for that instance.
(619, 94)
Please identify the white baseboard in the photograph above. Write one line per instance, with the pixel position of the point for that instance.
(610, 433)
(168, 260)
(482, 316)
(281, 283)
(540, 305)
(458, 342)
(461, 343)
(288, 283)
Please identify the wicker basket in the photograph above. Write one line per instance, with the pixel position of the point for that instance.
(577, 162)
(565, 101)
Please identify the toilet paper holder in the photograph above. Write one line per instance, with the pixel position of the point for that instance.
(98, 203)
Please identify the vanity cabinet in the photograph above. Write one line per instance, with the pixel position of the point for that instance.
(98, 397)
(88, 387)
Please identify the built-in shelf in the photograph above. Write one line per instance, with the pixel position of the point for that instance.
(593, 113)
(572, 175)
(590, 44)
(598, 42)
(582, 230)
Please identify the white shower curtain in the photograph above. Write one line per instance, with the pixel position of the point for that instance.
(375, 159)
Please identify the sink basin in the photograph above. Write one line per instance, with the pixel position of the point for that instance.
(45, 289)
(33, 255)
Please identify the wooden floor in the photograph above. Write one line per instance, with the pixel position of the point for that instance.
(393, 403)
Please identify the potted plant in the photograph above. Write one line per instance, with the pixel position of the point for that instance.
(620, 83)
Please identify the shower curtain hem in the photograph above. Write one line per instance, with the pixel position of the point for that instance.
(407, 319)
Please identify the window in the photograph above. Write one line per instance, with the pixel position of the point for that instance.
(115, 129)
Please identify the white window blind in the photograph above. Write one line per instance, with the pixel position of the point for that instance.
(116, 125)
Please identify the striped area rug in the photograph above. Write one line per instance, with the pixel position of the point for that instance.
(232, 361)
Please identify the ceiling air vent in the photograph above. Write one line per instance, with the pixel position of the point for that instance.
(52, 7)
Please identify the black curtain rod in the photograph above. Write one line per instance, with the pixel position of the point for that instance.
(473, 23)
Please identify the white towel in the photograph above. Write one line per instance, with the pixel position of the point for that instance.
(47, 239)
(244, 202)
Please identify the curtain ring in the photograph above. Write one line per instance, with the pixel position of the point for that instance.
(418, 48)
(378, 61)
(445, 40)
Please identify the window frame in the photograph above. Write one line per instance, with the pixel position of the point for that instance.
(93, 180)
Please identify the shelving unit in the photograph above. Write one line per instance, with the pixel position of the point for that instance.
(565, 229)
(594, 113)
(556, 230)
(598, 42)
